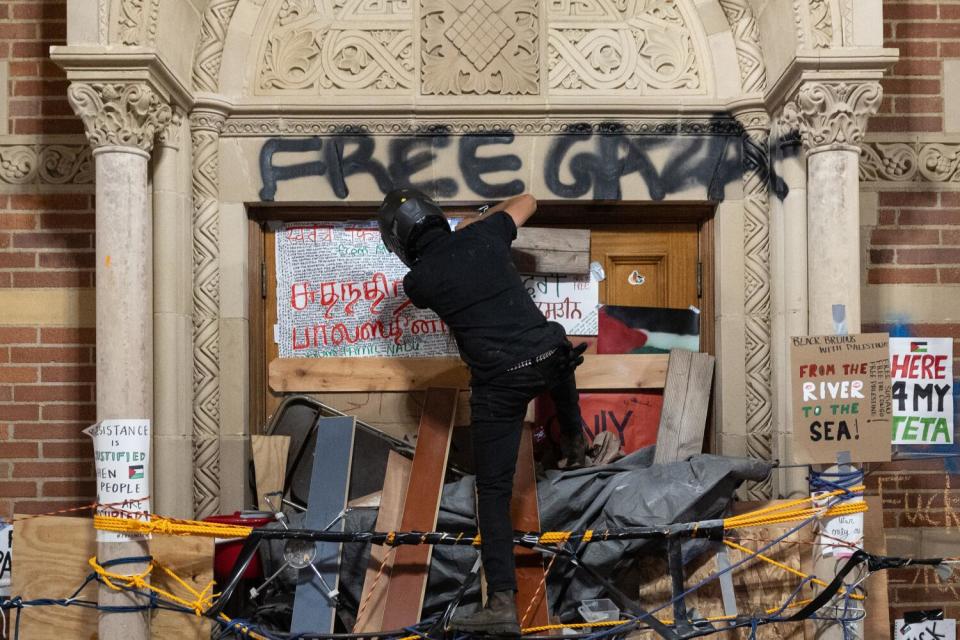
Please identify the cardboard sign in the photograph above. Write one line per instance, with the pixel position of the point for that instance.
(841, 397)
(922, 373)
(570, 300)
(121, 449)
(926, 630)
(6, 559)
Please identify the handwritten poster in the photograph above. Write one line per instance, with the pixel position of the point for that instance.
(571, 300)
(6, 558)
(340, 294)
(841, 397)
(121, 450)
(927, 630)
(922, 374)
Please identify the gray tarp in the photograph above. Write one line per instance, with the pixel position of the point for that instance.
(628, 493)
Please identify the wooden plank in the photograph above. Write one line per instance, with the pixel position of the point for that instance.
(532, 602)
(540, 250)
(686, 399)
(370, 615)
(52, 555)
(313, 609)
(270, 465)
(408, 577)
(303, 375)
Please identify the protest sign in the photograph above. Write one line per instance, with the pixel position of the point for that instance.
(570, 300)
(922, 375)
(6, 559)
(841, 397)
(926, 630)
(121, 450)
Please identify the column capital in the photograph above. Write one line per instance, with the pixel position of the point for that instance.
(120, 114)
(833, 114)
(753, 121)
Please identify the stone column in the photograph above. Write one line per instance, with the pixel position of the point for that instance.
(832, 119)
(121, 122)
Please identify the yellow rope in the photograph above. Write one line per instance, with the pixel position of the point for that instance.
(202, 600)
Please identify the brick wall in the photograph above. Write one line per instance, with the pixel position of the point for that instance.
(46, 245)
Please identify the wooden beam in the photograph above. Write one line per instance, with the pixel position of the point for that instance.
(304, 375)
(539, 250)
(532, 601)
(269, 465)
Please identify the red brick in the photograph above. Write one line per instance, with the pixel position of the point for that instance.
(18, 374)
(901, 276)
(885, 217)
(4, 354)
(18, 412)
(52, 240)
(51, 201)
(34, 126)
(918, 67)
(18, 335)
(950, 198)
(909, 11)
(913, 86)
(905, 236)
(950, 49)
(17, 221)
(69, 488)
(916, 49)
(24, 69)
(18, 449)
(53, 507)
(24, 108)
(948, 11)
(881, 256)
(55, 107)
(49, 430)
(20, 260)
(908, 198)
(4, 240)
(18, 31)
(53, 469)
(67, 260)
(6, 393)
(69, 412)
(949, 276)
(922, 30)
(53, 393)
(950, 237)
(69, 449)
(929, 216)
(918, 105)
(18, 489)
(52, 279)
(906, 123)
(71, 355)
(67, 220)
(68, 335)
(928, 256)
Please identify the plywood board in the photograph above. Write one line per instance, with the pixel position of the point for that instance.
(52, 555)
(686, 398)
(540, 250)
(314, 609)
(408, 576)
(607, 372)
(525, 516)
(270, 465)
(375, 581)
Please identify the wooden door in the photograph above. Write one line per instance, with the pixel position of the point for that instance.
(648, 266)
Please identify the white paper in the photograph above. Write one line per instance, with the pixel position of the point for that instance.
(6, 558)
(929, 630)
(921, 370)
(573, 301)
(121, 449)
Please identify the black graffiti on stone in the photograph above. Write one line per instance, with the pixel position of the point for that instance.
(688, 161)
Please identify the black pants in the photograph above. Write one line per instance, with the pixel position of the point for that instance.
(497, 408)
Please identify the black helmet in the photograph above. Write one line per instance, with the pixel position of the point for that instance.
(403, 217)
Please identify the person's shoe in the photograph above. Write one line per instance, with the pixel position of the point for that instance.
(573, 451)
(497, 618)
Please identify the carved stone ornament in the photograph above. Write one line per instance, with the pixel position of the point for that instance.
(746, 38)
(137, 22)
(910, 162)
(834, 114)
(128, 115)
(821, 23)
(641, 47)
(45, 164)
(314, 47)
(479, 47)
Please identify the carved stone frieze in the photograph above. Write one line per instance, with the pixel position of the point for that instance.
(45, 164)
(821, 23)
(746, 38)
(120, 114)
(910, 162)
(137, 22)
(644, 47)
(209, 53)
(337, 45)
(479, 47)
(834, 114)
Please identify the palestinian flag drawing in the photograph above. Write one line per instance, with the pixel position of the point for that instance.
(647, 330)
(135, 472)
(918, 347)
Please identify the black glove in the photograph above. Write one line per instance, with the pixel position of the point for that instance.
(574, 356)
